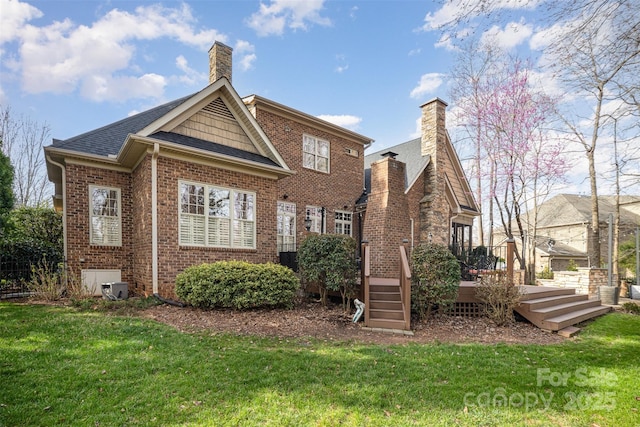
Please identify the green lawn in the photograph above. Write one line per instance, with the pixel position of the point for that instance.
(60, 366)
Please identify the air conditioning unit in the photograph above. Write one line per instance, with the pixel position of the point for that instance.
(115, 290)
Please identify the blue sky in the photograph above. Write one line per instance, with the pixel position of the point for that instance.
(366, 65)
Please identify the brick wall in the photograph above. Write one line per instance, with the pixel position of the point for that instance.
(387, 223)
(173, 258)
(142, 228)
(337, 190)
(80, 254)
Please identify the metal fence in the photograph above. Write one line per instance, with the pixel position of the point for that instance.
(481, 259)
(14, 276)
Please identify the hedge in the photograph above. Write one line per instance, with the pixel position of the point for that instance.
(238, 285)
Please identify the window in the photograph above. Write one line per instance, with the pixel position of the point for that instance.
(286, 227)
(314, 214)
(315, 153)
(218, 217)
(343, 222)
(106, 221)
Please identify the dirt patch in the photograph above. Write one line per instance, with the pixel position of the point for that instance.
(312, 320)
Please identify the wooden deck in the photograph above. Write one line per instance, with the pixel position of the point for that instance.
(547, 307)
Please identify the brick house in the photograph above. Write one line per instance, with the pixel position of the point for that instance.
(213, 176)
(207, 177)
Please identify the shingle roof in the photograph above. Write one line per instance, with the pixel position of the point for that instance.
(212, 147)
(110, 138)
(408, 152)
(566, 209)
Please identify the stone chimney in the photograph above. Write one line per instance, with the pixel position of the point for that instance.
(434, 208)
(219, 62)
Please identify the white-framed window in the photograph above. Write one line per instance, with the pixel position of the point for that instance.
(315, 153)
(343, 222)
(314, 215)
(216, 216)
(105, 216)
(286, 227)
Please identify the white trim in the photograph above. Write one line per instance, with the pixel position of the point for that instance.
(343, 222)
(154, 217)
(64, 204)
(316, 155)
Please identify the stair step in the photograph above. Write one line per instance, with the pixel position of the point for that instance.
(538, 303)
(386, 324)
(384, 288)
(573, 318)
(385, 305)
(546, 292)
(384, 296)
(386, 314)
(557, 310)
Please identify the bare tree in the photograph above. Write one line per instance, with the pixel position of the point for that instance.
(23, 140)
(597, 57)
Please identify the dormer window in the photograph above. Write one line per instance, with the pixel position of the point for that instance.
(315, 153)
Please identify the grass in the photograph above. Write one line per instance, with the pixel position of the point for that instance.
(61, 366)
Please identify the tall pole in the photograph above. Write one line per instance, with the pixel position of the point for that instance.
(610, 278)
(638, 256)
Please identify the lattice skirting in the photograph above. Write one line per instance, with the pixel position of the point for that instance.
(467, 309)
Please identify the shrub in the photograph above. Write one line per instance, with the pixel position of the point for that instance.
(572, 266)
(328, 261)
(46, 281)
(436, 278)
(237, 284)
(499, 296)
(546, 273)
(631, 307)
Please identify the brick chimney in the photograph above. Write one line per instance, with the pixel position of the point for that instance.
(219, 62)
(434, 208)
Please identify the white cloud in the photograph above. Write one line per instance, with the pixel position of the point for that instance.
(512, 35)
(247, 54)
(63, 56)
(429, 82)
(414, 52)
(344, 120)
(456, 10)
(272, 18)
(110, 88)
(14, 16)
(189, 76)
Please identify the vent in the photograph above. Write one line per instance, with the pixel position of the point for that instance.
(351, 152)
(219, 108)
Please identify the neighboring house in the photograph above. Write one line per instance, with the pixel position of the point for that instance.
(416, 191)
(203, 178)
(213, 176)
(564, 229)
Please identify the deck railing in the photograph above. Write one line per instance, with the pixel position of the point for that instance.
(366, 275)
(405, 287)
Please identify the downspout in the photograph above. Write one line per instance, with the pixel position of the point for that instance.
(64, 204)
(154, 217)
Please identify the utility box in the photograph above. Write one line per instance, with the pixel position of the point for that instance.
(115, 290)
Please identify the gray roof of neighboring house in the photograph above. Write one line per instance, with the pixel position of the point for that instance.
(213, 147)
(557, 249)
(410, 153)
(566, 209)
(110, 138)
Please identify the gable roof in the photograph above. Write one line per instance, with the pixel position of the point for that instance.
(121, 144)
(567, 209)
(109, 139)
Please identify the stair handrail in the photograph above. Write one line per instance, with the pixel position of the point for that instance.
(366, 274)
(405, 287)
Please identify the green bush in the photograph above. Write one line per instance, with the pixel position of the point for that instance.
(435, 276)
(546, 273)
(237, 284)
(499, 296)
(631, 307)
(329, 262)
(572, 266)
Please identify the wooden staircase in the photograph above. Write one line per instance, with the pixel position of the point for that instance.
(554, 309)
(387, 301)
(385, 304)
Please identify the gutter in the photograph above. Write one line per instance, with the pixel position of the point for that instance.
(64, 203)
(154, 217)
